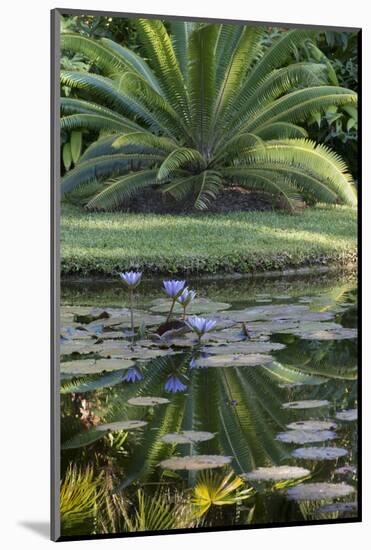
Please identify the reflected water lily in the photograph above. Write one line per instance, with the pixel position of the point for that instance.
(186, 298)
(132, 375)
(174, 385)
(200, 325)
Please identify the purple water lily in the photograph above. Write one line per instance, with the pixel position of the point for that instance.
(131, 278)
(174, 385)
(185, 299)
(132, 375)
(173, 289)
(200, 325)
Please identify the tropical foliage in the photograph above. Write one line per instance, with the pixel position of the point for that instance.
(204, 106)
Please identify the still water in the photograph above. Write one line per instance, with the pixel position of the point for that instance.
(254, 424)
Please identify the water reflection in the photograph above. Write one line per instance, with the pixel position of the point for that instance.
(273, 390)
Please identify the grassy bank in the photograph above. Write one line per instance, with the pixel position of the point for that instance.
(102, 243)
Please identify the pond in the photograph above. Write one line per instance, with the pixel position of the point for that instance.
(254, 424)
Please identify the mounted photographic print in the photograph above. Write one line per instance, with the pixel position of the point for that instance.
(206, 184)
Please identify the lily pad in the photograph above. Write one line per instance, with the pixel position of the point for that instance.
(261, 313)
(196, 462)
(199, 305)
(306, 404)
(90, 366)
(244, 347)
(341, 507)
(312, 425)
(336, 334)
(319, 453)
(346, 470)
(276, 473)
(319, 491)
(148, 401)
(112, 348)
(78, 346)
(126, 425)
(187, 436)
(349, 415)
(305, 436)
(234, 360)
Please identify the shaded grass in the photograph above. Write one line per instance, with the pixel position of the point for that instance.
(104, 243)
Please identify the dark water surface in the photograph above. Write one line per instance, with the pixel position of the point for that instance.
(284, 393)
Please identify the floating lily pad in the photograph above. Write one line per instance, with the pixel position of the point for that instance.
(78, 346)
(349, 415)
(148, 401)
(199, 305)
(231, 360)
(319, 491)
(244, 347)
(319, 453)
(276, 473)
(90, 366)
(346, 470)
(126, 425)
(306, 404)
(112, 348)
(187, 436)
(261, 313)
(336, 334)
(312, 425)
(196, 462)
(341, 507)
(305, 436)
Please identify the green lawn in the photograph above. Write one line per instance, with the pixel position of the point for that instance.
(103, 243)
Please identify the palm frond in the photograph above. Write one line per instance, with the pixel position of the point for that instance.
(181, 157)
(145, 140)
(180, 34)
(281, 130)
(121, 189)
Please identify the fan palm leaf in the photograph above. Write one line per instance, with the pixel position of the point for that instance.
(204, 106)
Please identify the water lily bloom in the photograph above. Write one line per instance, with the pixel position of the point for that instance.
(186, 297)
(132, 375)
(131, 278)
(200, 325)
(174, 288)
(173, 385)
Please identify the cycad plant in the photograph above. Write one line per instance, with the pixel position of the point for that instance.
(206, 107)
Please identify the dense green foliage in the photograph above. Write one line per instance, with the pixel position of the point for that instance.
(102, 243)
(211, 106)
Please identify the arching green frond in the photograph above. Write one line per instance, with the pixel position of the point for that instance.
(182, 157)
(104, 146)
(208, 185)
(103, 167)
(318, 159)
(161, 54)
(250, 101)
(147, 140)
(96, 122)
(298, 105)
(305, 181)
(202, 83)
(154, 107)
(268, 181)
(228, 37)
(99, 88)
(281, 130)
(134, 63)
(120, 190)
(70, 106)
(105, 58)
(277, 55)
(180, 33)
(236, 67)
(234, 146)
(180, 187)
